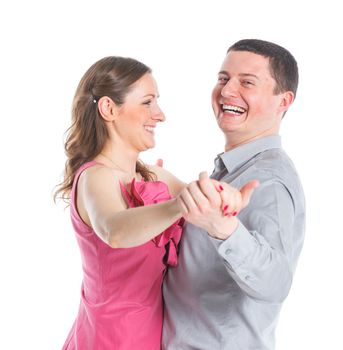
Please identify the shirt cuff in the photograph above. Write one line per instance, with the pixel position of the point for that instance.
(235, 249)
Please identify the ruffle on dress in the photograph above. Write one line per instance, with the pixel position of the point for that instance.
(145, 193)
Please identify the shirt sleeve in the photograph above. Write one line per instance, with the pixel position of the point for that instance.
(261, 254)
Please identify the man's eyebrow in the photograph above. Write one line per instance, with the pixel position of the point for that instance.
(249, 75)
(241, 74)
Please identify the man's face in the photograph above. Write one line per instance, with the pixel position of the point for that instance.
(243, 99)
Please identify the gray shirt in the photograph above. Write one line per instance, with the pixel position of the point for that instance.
(228, 294)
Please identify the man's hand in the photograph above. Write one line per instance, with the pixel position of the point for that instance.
(213, 205)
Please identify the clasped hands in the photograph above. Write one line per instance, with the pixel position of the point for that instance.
(213, 205)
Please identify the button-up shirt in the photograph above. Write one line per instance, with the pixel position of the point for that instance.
(227, 294)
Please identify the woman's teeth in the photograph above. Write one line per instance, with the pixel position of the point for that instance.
(149, 128)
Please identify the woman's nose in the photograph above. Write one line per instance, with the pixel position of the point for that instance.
(158, 114)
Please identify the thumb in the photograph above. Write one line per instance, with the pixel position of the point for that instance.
(159, 162)
(247, 190)
(203, 175)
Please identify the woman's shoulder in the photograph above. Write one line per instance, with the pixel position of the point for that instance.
(99, 175)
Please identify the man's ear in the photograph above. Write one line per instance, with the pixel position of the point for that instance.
(287, 99)
(107, 109)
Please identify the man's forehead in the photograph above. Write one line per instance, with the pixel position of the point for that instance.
(245, 64)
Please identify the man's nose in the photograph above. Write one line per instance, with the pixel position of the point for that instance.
(230, 89)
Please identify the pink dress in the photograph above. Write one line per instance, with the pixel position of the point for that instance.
(121, 297)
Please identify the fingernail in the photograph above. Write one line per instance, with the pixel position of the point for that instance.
(226, 214)
(226, 207)
(221, 187)
(234, 213)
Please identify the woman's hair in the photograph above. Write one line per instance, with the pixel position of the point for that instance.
(113, 77)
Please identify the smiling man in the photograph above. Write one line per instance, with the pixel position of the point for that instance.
(229, 287)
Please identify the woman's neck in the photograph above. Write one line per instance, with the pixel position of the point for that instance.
(118, 159)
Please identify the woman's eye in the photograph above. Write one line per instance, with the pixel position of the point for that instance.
(147, 103)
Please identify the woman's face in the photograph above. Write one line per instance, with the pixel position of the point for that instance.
(138, 116)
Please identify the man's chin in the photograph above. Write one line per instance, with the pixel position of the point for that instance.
(229, 125)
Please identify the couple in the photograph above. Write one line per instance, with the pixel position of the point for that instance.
(225, 280)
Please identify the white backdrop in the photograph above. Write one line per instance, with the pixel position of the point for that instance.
(47, 46)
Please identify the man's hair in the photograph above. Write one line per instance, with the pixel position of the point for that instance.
(283, 66)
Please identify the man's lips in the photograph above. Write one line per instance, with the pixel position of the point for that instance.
(233, 109)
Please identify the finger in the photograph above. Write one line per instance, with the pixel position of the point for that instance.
(238, 203)
(197, 195)
(159, 162)
(227, 202)
(203, 175)
(230, 200)
(218, 186)
(182, 206)
(188, 199)
(247, 191)
(226, 192)
(208, 189)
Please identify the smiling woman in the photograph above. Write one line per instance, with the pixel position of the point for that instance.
(115, 204)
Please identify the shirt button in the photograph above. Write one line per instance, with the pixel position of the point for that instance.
(228, 251)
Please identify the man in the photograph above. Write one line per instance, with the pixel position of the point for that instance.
(235, 272)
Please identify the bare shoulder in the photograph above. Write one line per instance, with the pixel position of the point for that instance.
(99, 191)
(97, 171)
(99, 179)
(175, 185)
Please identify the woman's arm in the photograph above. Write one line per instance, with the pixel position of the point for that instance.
(175, 185)
(101, 205)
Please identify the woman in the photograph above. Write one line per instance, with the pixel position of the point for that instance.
(127, 224)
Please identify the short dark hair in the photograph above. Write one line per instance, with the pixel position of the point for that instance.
(282, 64)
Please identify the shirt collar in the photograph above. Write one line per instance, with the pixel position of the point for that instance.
(236, 157)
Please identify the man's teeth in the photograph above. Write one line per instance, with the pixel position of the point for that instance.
(233, 109)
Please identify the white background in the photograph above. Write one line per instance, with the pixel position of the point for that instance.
(46, 47)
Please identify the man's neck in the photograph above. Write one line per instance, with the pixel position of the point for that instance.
(232, 142)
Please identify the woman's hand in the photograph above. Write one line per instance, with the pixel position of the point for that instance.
(213, 205)
(234, 200)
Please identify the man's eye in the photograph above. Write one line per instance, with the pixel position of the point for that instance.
(222, 80)
(247, 82)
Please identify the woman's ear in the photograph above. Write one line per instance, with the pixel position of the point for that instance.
(107, 108)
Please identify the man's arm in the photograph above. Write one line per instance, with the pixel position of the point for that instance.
(261, 254)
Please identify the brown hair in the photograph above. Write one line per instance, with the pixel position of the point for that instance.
(282, 64)
(113, 77)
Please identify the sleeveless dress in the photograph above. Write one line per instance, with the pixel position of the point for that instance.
(121, 303)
